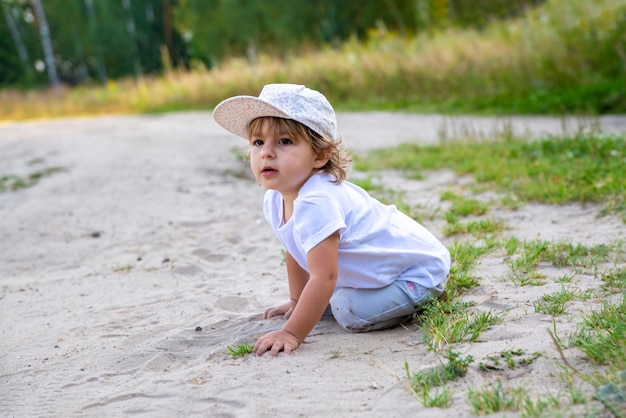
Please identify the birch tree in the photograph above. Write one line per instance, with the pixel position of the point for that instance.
(15, 34)
(46, 42)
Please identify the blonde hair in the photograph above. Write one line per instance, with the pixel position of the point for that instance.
(338, 158)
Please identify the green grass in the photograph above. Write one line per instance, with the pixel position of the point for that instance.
(445, 324)
(12, 182)
(240, 350)
(526, 256)
(463, 206)
(614, 280)
(494, 398)
(511, 358)
(454, 366)
(585, 168)
(554, 303)
(336, 353)
(602, 335)
(465, 256)
(423, 382)
(480, 229)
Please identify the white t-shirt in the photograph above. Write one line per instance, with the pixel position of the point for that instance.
(377, 243)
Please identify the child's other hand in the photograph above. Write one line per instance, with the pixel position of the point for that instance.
(285, 309)
(275, 342)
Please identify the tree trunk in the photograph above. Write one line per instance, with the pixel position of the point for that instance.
(130, 27)
(46, 43)
(93, 33)
(15, 34)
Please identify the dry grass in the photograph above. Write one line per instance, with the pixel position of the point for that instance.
(550, 47)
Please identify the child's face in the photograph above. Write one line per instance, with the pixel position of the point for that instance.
(279, 161)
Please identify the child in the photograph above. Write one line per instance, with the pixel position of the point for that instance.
(373, 266)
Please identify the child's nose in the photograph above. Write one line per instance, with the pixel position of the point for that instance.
(268, 149)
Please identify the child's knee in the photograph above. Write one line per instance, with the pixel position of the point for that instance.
(346, 318)
(342, 311)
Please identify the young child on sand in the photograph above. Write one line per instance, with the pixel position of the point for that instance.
(370, 264)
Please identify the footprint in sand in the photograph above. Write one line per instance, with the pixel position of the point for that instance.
(209, 255)
(232, 303)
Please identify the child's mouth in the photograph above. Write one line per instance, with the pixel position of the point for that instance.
(268, 171)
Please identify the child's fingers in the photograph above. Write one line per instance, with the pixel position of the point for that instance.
(260, 347)
(277, 347)
(275, 342)
(271, 312)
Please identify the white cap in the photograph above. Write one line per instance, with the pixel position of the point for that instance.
(288, 101)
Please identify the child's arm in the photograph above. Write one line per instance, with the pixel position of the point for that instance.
(298, 277)
(314, 298)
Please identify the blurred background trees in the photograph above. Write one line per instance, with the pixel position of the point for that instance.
(76, 42)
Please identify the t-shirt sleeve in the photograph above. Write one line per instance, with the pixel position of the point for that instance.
(316, 218)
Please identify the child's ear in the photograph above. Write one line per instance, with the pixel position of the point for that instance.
(322, 159)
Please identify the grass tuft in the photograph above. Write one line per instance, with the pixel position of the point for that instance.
(554, 303)
(12, 182)
(423, 382)
(240, 350)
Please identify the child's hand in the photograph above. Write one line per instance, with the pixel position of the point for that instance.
(276, 341)
(285, 309)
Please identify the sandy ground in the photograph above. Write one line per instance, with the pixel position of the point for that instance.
(124, 278)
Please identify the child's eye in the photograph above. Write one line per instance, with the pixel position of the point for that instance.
(256, 142)
(284, 141)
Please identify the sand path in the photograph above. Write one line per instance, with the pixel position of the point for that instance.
(124, 277)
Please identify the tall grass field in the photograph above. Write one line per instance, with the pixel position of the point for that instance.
(566, 56)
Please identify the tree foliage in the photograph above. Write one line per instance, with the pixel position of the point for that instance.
(217, 28)
(99, 40)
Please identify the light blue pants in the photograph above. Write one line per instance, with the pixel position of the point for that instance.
(363, 310)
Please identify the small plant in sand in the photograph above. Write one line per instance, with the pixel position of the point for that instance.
(554, 303)
(565, 278)
(480, 228)
(526, 257)
(602, 335)
(614, 281)
(575, 392)
(512, 358)
(441, 398)
(494, 398)
(336, 353)
(423, 382)
(462, 206)
(542, 406)
(449, 322)
(465, 255)
(125, 268)
(523, 265)
(240, 350)
(12, 182)
(451, 367)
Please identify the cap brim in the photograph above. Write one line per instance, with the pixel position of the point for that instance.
(236, 113)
